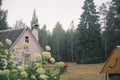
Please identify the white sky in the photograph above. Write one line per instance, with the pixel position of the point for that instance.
(49, 12)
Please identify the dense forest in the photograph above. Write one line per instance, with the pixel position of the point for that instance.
(96, 35)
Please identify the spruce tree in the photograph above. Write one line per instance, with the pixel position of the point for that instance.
(43, 36)
(117, 3)
(112, 32)
(69, 44)
(34, 20)
(58, 41)
(3, 18)
(90, 40)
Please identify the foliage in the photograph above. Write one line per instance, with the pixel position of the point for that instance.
(20, 24)
(103, 9)
(58, 41)
(3, 18)
(90, 40)
(40, 69)
(117, 3)
(68, 54)
(103, 12)
(112, 31)
(34, 20)
(43, 36)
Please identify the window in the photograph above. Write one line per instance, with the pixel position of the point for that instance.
(27, 39)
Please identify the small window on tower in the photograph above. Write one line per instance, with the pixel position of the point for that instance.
(27, 39)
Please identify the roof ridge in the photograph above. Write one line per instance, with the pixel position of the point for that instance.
(12, 29)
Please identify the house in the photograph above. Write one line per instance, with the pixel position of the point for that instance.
(112, 65)
(18, 37)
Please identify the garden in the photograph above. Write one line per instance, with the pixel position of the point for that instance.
(43, 68)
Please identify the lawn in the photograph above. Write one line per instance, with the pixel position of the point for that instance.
(83, 72)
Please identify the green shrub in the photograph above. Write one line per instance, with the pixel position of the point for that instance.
(43, 68)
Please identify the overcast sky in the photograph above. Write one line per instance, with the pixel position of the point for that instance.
(49, 12)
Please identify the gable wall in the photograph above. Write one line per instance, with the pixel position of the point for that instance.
(34, 46)
(112, 65)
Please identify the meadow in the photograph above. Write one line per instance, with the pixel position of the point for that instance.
(83, 72)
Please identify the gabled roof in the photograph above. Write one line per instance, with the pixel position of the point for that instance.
(11, 34)
(112, 64)
(14, 35)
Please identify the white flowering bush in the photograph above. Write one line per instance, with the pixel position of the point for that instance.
(48, 48)
(43, 67)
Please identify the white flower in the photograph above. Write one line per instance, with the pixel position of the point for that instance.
(60, 64)
(13, 70)
(52, 60)
(38, 65)
(48, 48)
(38, 56)
(8, 42)
(4, 72)
(16, 49)
(12, 57)
(55, 77)
(33, 77)
(24, 74)
(26, 45)
(40, 71)
(20, 68)
(44, 77)
(46, 55)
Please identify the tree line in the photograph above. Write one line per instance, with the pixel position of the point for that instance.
(96, 35)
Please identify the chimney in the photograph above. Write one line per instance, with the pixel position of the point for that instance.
(35, 30)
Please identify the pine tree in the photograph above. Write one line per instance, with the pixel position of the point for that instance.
(103, 9)
(43, 36)
(66, 55)
(117, 3)
(58, 41)
(34, 19)
(69, 44)
(3, 18)
(112, 32)
(90, 40)
(103, 12)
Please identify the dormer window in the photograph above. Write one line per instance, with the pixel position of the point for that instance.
(27, 39)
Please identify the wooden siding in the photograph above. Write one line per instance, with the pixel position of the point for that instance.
(112, 64)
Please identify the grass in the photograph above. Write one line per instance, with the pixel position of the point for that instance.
(83, 72)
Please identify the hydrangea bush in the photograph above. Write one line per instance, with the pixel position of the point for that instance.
(40, 69)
